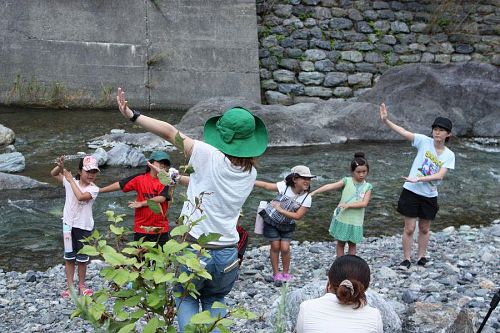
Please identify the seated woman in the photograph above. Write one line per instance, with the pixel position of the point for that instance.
(344, 307)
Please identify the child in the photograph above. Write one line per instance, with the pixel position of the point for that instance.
(291, 204)
(419, 196)
(81, 193)
(148, 186)
(348, 218)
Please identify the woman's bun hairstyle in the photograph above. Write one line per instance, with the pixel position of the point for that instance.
(349, 278)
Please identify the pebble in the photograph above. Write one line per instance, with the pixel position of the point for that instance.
(460, 273)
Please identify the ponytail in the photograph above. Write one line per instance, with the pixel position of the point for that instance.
(351, 292)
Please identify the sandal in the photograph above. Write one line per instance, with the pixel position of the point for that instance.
(86, 291)
(66, 294)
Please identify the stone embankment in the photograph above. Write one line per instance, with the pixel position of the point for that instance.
(462, 276)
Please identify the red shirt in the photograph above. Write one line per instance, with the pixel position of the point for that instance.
(147, 187)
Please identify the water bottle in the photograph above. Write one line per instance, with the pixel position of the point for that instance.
(68, 243)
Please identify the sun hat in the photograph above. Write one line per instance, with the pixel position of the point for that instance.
(159, 156)
(237, 133)
(302, 171)
(442, 122)
(90, 163)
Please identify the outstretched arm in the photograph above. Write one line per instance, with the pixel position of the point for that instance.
(266, 185)
(137, 204)
(328, 187)
(155, 126)
(110, 188)
(437, 176)
(384, 116)
(292, 215)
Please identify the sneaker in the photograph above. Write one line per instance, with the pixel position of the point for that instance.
(285, 277)
(405, 263)
(422, 261)
(278, 277)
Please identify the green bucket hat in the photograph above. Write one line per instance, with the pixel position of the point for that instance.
(237, 133)
(159, 156)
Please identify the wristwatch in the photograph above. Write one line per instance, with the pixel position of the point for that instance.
(135, 115)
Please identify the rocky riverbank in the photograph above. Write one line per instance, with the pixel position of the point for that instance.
(463, 274)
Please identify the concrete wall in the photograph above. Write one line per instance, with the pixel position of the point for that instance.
(166, 53)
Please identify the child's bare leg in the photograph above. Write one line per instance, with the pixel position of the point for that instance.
(70, 272)
(340, 248)
(274, 255)
(352, 248)
(410, 224)
(82, 271)
(424, 227)
(285, 255)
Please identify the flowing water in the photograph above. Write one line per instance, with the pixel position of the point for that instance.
(30, 220)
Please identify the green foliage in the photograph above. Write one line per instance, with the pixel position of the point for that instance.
(280, 37)
(141, 277)
(155, 59)
(106, 95)
(279, 320)
(443, 22)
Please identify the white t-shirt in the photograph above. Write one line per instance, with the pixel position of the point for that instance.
(428, 162)
(229, 187)
(327, 315)
(77, 213)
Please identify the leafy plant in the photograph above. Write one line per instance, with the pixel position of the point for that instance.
(279, 320)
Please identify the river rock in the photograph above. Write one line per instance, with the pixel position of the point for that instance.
(467, 93)
(140, 141)
(101, 156)
(12, 162)
(7, 135)
(11, 182)
(123, 154)
(390, 318)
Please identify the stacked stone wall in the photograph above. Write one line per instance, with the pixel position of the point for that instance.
(310, 49)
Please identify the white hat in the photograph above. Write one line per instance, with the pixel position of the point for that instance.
(302, 171)
(90, 163)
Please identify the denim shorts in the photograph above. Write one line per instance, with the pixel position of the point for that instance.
(77, 235)
(272, 233)
(413, 205)
(223, 267)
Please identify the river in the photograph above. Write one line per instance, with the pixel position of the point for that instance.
(30, 220)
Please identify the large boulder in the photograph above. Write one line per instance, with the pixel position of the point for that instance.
(141, 141)
(390, 318)
(467, 93)
(12, 162)
(16, 182)
(415, 94)
(7, 135)
(123, 154)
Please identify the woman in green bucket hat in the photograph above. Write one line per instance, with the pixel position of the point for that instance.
(224, 165)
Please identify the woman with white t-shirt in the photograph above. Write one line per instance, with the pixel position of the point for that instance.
(344, 307)
(291, 204)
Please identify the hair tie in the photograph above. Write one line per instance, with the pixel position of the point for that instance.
(348, 284)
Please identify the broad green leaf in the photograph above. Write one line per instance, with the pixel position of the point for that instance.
(164, 278)
(114, 258)
(172, 246)
(202, 318)
(154, 206)
(171, 329)
(132, 301)
(147, 274)
(183, 277)
(197, 247)
(95, 234)
(127, 328)
(194, 264)
(219, 305)
(132, 276)
(243, 314)
(89, 250)
(164, 178)
(130, 250)
(116, 230)
(124, 293)
(179, 230)
(153, 299)
(121, 277)
(222, 325)
(179, 141)
(204, 239)
(137, 314)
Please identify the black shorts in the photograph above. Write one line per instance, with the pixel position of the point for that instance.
(160, 238)
(77, 235)
(414, 205)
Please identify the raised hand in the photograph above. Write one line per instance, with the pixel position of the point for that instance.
(67, 175)
(60, 162)
(384, 114)
(123, 104)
